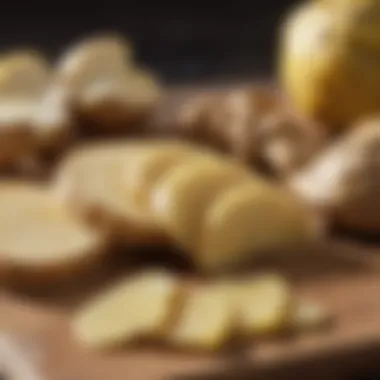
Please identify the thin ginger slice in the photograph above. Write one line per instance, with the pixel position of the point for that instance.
(250, 220)
(39, 236)
(208, 318)
(137, 307)
(182, 197)
(91, 182)
(265, 305)
(152, 165)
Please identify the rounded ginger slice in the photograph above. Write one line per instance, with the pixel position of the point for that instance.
(250, 220)
(91, 182)
(207, 319)
(140, 306)
(23, 74)
(182, 197)
(38, 235)
(265, 303)
(151, 165)
(100, 56)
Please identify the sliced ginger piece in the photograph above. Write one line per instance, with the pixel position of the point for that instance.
(38, 235)
(90, 180)
(265, 305)
(249, 220)
(207, 319)
(183, 195)
(23, 78)
(109, 92)
(159, 157)
(138, 307)
(100, 56)
(23, 74)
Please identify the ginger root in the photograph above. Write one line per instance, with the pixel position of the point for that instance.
(253, 124)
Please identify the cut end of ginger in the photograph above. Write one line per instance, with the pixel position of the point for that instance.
(150, 166)
(207, 319)
(23, 74)
(37, 235)
(180, 200)
(90, 181)
(137, 307)
(104, 56)
(265, 303)
(250, 220)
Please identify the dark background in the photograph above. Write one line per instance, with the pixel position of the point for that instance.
(184, 41)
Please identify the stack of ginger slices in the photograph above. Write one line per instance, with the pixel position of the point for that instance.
(218, 213)
(212, 208)
(157, 305)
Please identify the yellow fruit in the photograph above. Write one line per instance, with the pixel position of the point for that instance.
(329, 60)
(40, 239)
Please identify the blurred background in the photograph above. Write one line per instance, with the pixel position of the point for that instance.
(183, 41)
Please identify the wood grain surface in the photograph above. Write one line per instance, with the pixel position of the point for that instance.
(342, 276)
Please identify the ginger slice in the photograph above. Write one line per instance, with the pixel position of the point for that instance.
(265, 303)
(23, 78)
(152, 165)
(109, 93)
(100, 56)
(91, 182)
(207, 319)
(23, 74)
(53, 121)
(138, 307)
(250, 220)
(38, 235)
(182, 197)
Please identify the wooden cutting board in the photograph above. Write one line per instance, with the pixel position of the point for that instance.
(344, 277)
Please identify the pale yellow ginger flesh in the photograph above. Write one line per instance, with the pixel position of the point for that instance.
(23, 75)
(108, 90)
(183, 195)
(154, 304)
(38, 234)
(135, 90)
(90, 181)
(99, 57)
(23, 79)
(265, 305)
(137, 307)
(250, 220)
(53, 120)
(208, 318)
(207, 205)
